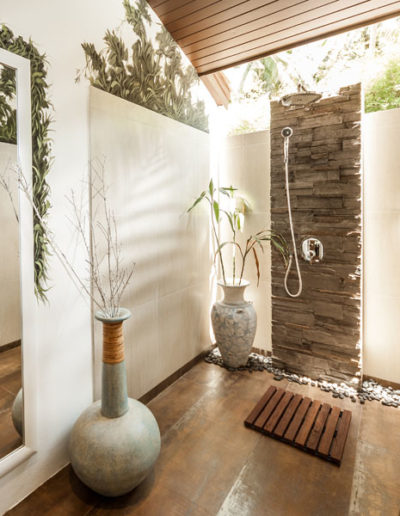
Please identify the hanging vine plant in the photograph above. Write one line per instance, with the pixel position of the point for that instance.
(151, 75)
(8, 113)
(41, 145)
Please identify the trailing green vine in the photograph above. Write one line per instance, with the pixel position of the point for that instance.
(41, 146)
(8, 113)
(151, 76)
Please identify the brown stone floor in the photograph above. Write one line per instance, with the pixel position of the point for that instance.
(211, 464)
(10, 383)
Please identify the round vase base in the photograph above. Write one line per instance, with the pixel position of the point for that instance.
(114, 455)
(17, 413)
(232, 360)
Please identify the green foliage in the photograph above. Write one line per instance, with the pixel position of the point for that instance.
(154, 78)
(384, 92)
(244, 127)
(234, 217)
(8, 114)
(356, 55)
(41, 145)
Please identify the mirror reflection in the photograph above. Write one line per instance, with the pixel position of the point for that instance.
(11, 430)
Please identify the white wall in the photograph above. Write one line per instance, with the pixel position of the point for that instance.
(10, 306)
(245, 163)
(381, 133)
(155, 167)
(64, 365)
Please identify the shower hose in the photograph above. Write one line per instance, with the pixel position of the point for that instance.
(286, 160)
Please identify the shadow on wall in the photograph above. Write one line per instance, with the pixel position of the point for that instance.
(154, 168)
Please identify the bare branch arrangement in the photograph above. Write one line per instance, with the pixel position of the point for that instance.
(107, 277)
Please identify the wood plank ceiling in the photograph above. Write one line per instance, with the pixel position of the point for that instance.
(218, 34)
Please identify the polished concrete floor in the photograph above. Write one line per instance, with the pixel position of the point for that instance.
(211, 464)
(10, 383)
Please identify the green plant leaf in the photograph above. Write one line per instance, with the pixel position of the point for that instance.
(196, 202)
(230, 242)
(216, 210)
(257, 265)
(229, 217)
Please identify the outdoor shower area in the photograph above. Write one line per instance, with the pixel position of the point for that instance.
(318, 333)
(341, 163)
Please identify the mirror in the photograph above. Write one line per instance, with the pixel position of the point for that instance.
(17, 302)
(10, 295)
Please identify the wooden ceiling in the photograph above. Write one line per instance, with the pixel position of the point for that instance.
(217, 34)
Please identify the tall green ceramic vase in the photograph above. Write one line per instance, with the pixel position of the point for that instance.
(116, 441)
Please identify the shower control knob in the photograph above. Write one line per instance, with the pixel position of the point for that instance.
(312, 250)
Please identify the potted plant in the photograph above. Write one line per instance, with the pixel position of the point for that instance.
(234, 320)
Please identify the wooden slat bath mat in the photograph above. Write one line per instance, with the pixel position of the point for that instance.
(312, 426)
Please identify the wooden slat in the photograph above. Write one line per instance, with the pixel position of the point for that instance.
(309, 425)
(291, 432)
(275, 417)
(284, 422)
(218, 86)
(166, 6)
(316, 432)
(215, 14)
(287, 28)
(315, 32)
(308, 422)
(239, 27)
(182, 14)
(337, 448)
(330, 427)
(260, 405)
(271, 26)
(156, 4)
(269, 408)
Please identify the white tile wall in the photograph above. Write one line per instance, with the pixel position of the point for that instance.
(246, 165)
(156, 167)
(382, 244)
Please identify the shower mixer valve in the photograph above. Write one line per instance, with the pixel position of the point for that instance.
(312, 250)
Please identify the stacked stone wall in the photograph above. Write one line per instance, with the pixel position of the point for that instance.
(318, 334)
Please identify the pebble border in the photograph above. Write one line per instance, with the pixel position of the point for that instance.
(370, 389)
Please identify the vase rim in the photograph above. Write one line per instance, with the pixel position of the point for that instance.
(230, 284)
(122, 315)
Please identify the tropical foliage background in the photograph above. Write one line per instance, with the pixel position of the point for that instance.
(370, 55)
(8, 113)
(151, 73)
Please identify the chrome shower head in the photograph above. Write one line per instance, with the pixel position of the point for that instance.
(301, 98)
(287, 132)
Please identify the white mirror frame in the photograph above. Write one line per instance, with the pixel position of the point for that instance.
(21, 66)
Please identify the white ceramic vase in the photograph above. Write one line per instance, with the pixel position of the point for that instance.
(234, 322)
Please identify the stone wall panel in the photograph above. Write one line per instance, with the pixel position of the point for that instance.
(318, 334)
